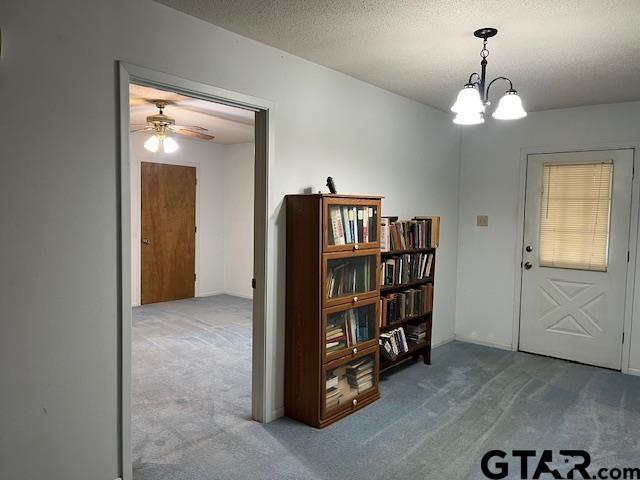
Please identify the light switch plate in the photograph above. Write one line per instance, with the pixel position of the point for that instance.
(482, 221)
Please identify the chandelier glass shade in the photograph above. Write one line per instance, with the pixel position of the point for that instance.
(468, 101)
(509, 107)
(473, 99)
(160, 139)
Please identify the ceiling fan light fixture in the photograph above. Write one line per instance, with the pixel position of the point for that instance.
(152, 144)
(170, 145)
(468, 101)
(510, 107)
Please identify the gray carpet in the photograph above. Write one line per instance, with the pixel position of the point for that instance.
(191, 409)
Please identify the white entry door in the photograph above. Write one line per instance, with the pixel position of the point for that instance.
(575, 255)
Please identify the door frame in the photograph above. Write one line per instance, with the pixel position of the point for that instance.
(182, 163)
(263, 367)
(630, 300)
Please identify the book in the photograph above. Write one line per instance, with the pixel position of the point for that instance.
(418, 233)
(360, 374)
(353, 219)
(393, 343)
(406, 268)
(350, 224)
(365, 225)
(385, 342)
(345, 220)
(337, 227)
(434, 231)
(384, 234)
(347, 277)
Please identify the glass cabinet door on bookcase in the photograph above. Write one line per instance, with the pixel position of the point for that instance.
(348, 329)
(350, 277)
(349, 381)
(351, 224)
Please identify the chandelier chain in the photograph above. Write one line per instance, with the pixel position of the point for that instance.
(484, 53)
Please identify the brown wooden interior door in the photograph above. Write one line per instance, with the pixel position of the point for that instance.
(168, 218)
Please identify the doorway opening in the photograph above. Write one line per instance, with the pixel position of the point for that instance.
(192, 171)
(194, 162)
(576, 254)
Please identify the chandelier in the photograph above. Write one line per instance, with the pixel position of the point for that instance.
(473, 99)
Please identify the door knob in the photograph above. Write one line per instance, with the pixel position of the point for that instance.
(146, 241)
(528, 248)
(527, 265)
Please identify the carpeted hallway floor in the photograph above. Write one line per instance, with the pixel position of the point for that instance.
(191, 409)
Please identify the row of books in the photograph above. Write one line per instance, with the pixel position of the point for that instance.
(352, 224)
(397, 341)
(346, 276)
(416, 332)
(349, 327)
(396, 307)
(406, 268)
(393, 343)
(421, 232)
(347, 381)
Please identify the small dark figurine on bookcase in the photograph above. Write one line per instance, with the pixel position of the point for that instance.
(331, 185)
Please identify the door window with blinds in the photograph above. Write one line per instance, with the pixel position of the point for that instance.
(575, 215)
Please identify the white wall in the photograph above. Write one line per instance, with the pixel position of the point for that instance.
(489, 184)
(59, 201)
(209, 161)
(239, 163)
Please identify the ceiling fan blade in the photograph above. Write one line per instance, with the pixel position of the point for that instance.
(137, 101)
(189, 127)
(136, 127)
(141, 129)
(189, 133)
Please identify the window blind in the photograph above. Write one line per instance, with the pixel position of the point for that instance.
(574, 215)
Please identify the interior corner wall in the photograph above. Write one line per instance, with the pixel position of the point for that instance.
(490, 184)
(208, 159)
(239, 160)
(59, 202)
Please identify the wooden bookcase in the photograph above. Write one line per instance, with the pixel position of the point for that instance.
(332, 306)
(416, 349)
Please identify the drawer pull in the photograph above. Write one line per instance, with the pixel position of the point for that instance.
(355, 247)
(355, 299)
(355, 402)
(355, 350)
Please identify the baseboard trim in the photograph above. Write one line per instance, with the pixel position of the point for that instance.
(634, 371)
(276, 414)
(485, 343)
(208, 294)
(241, 295)
(443, 342)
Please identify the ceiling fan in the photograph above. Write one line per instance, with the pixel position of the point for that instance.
(162, 125)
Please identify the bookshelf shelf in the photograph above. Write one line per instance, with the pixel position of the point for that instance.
(414, 348)
(404, 321)
(404, 286)
(392, 253)
(332, 306)
(408, 260)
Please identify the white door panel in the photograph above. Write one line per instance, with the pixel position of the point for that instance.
(576, 314)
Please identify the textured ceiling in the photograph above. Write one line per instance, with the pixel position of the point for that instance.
(559, 53)
(227, 124)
